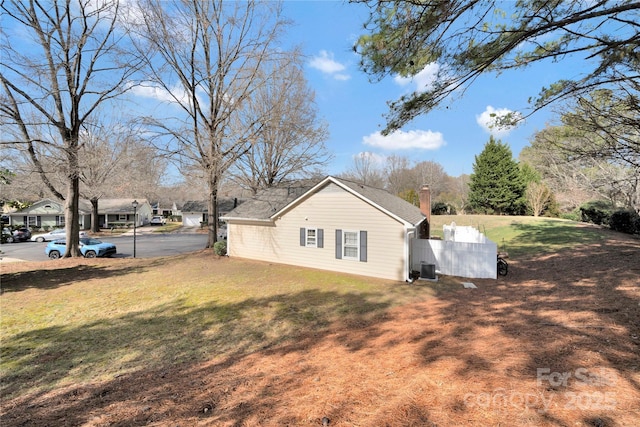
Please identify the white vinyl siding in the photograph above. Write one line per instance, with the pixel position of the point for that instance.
(330, 209)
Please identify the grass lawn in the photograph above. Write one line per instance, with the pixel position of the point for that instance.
(100, 320)
(523, 235)
(201, 340)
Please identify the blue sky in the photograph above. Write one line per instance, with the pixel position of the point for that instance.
(354, 107)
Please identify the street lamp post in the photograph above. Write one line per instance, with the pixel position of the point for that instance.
(135, 207)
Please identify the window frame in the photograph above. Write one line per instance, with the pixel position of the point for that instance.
(32, 221)
(356, 245)
(307, 238)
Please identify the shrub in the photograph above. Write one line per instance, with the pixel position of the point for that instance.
(220, 248)
(574, 215)
(625, 222)
(441, 208)
(597, 212)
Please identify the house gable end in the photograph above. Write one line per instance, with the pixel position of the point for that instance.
(42, 207)
(391, 205)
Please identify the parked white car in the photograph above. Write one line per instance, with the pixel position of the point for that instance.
(58, 233)
(158, 220)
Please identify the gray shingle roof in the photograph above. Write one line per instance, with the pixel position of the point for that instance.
(270, 201)
(195, 206)
(224, 205)
(113, 206)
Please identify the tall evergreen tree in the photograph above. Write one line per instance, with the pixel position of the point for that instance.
(496, 185)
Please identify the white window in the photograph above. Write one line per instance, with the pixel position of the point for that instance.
(32, 221)
(122, 217)
(60, 220)
(311, 238)
(351, 245)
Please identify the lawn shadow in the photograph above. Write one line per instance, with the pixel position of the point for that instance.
(52, 278)
(181, 364)
(122, 352)
(582, 321)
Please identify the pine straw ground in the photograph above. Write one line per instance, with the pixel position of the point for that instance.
(555, 343)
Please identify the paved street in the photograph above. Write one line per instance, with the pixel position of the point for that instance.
(148, 244)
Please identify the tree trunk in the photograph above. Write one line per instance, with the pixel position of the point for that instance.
(72, 218)
(72, 211)
(95, 223)
(212, 221)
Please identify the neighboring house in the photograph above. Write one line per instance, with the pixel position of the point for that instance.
(117, 211)
(50, 213)
(164, 208)
(335, 225)
(196, 212)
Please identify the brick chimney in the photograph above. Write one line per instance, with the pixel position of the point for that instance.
(425, 207)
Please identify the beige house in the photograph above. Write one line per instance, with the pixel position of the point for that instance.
(335, 225)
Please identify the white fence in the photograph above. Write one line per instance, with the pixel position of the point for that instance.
(465, 252)
(463, 234)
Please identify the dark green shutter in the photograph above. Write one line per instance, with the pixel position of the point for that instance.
(320, 238)
(303, 239)
(338, 244)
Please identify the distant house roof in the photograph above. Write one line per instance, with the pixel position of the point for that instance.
(271, 202)
(105, 206)
(51, 207)
(111, 206)
(195, 206)
(224, 205)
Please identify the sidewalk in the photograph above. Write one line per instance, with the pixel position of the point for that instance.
(145, 229)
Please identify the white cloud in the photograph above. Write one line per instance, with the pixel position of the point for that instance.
(399, 140)
(423, 80)
(325, 63)
(490, 118)
(161, 94)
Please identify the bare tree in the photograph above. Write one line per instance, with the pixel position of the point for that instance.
(538, 197)
(51, 85)
(115, 162)
(366, 169)
(291, 141)
(557, 153)
(607, 124)
(210, 58)
(400, 175)
(455, 192)
(432, 174)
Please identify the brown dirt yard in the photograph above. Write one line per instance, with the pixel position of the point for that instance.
(554, 343)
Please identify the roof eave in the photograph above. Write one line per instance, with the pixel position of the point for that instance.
(238, 218)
